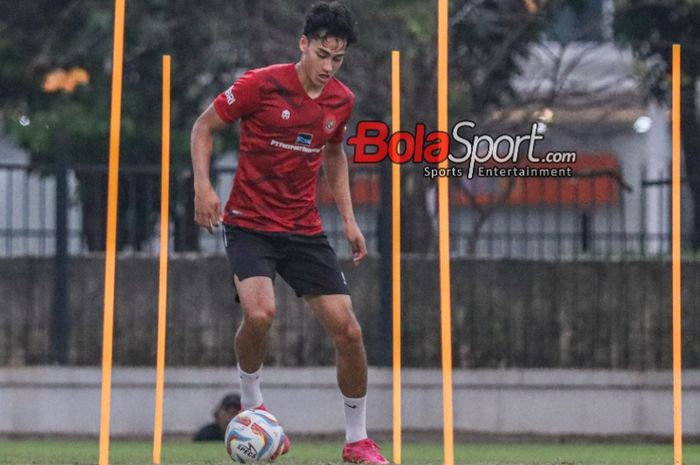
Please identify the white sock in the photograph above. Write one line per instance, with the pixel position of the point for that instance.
(355, 418)
(251, 396)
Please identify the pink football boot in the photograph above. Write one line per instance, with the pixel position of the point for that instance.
(364, 451)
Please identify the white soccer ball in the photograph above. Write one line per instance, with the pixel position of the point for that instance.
(253, 436)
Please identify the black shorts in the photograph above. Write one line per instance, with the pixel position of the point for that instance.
(307, 263)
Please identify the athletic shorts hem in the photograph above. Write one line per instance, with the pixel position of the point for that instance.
(307, 263)
(322, 292)
(254, 275)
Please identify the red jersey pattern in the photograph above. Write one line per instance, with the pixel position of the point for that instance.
(283, 132)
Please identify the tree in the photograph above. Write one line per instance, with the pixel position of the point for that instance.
(488, 43)
(487, 39)
(211, 44)
(650, 28)
(44, 36)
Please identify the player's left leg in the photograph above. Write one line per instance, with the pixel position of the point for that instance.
(337, 318)
(311, 267)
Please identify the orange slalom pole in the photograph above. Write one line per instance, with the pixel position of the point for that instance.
(444, 241)
(163, 275)
(396, 252)
(111, 239)
(676, 256)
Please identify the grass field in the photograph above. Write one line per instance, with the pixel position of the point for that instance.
(55, 452)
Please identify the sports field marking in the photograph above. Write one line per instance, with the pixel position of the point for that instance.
(111, 240)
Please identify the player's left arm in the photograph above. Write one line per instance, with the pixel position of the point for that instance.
(336, 166)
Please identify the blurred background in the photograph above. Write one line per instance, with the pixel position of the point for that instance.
(561, 287)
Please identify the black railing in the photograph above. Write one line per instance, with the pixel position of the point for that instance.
(552, 219)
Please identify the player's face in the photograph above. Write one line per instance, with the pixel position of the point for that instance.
(321, 58)
(224, 415)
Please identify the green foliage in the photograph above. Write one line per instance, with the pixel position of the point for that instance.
(211, 44)
(650, 28)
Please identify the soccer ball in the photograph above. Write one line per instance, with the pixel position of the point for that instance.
(253, 436)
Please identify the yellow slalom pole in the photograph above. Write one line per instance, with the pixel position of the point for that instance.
(396, 252)
(444, 241)
(111, 240)
(163, 276)
(676, 256)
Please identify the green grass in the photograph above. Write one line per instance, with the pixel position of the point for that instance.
(55, 452)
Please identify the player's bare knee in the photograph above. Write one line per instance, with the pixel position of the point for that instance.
(260, 316)
(350, 335)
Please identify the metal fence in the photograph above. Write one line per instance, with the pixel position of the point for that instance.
(565, 218)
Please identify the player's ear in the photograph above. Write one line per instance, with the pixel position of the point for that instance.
(303, 43)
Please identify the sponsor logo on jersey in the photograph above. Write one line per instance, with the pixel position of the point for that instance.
(295, 147)
(304, 139)
(329, 123)
(230, 98)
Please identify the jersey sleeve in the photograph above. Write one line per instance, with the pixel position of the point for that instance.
(339, 134)
(239, 100)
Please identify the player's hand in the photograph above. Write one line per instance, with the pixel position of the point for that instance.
(357, 242)
(207, 208)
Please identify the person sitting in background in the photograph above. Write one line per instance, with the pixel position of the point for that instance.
(224, 413)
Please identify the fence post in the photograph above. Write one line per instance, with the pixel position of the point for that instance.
(59, 315)
(643, 211)
(585, 232)
(669, 218)
(382, 344)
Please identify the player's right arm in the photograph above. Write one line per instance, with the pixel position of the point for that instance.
(207, 207)
(238, 101)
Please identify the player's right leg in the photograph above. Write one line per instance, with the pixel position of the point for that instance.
(257, 298)
(253, 259)
(258, 304)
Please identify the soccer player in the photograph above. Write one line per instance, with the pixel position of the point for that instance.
(293, 119)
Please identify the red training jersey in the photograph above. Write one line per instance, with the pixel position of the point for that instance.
(283, 132)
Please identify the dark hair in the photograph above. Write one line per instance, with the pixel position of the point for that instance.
(330, 19)
(231, 400)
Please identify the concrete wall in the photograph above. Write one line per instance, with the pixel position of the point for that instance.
(550, 402)
(507, 313)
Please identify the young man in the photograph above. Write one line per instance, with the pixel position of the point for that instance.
(293, 118)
